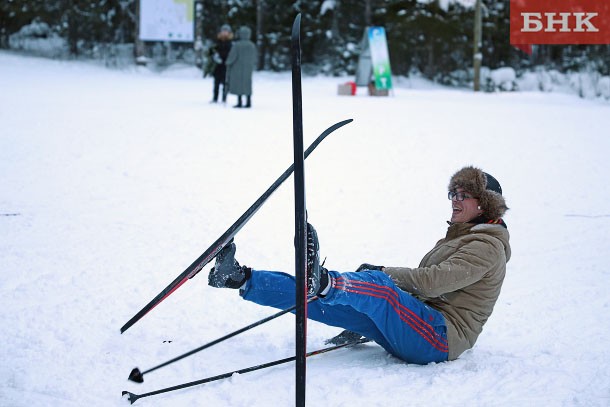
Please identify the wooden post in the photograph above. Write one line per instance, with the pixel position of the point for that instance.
(198, 43)
(139, 51)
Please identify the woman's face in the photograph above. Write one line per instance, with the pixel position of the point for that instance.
(464, 210)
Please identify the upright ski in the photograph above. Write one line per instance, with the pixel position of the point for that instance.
(300, 220)
(226, 237)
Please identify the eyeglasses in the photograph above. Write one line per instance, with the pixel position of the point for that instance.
(459, 196)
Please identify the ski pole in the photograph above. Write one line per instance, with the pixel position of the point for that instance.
(138, 377)
(133, 397)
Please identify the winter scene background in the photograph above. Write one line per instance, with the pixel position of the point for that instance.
(114, 181)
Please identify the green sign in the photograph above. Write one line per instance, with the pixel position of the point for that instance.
(380, 57)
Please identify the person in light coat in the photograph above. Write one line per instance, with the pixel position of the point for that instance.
(429, 313)
(241, 63)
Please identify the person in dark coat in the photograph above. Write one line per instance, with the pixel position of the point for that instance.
(240, 66)
(219, 53)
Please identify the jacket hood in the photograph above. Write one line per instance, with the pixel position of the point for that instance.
(244, 33)
(497, 231)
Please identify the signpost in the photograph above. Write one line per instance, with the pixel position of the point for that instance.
(374, 68)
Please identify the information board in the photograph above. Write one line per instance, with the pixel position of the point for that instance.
(167, 20)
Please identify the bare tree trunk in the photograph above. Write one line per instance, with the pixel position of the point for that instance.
(368, 20)
(430, 69)
(260, 33)
(198, 43)
(335, 21)
(139, 44)
(72, 21)
(477, 56)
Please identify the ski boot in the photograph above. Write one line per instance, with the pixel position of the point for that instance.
(344, 338)
(317, 276)
(227, 273)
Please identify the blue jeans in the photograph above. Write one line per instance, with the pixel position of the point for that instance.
(368, 303)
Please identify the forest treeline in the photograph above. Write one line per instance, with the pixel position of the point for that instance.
(432, 37)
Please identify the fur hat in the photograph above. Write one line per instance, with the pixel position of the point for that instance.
(484, 187)
(225, 33)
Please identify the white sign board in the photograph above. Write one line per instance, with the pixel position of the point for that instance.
(380, 57)
(374, 61)
(167, 20)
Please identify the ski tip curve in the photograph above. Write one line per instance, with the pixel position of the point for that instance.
(341, 124)
(296, 26)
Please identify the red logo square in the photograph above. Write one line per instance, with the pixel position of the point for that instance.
(559, 22)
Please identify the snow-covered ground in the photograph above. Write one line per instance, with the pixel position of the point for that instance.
(113, 182)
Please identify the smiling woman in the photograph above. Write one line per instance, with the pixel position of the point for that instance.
(432, 313)
(463, 206)
(473, 194)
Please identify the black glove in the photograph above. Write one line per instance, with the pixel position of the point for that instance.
(366, 266)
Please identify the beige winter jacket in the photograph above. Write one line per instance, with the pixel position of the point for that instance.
(461, 277)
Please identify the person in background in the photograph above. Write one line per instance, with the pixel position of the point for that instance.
(218, 54)
(430, 313)
(241, 63)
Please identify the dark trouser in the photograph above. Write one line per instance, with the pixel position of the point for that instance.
(217, 83)
(368, 303)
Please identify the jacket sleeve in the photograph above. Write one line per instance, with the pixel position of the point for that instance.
(467, 265)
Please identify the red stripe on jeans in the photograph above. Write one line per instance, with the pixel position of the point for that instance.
(409, 317)
(394, 294)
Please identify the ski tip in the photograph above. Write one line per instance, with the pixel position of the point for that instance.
(136, 376)
(130, 396)
(341, 123)
(296, 26)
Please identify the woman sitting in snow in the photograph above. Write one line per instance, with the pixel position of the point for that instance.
(431, 313)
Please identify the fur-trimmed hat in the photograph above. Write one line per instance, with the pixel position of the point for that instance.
(484, 187)
(225, 33)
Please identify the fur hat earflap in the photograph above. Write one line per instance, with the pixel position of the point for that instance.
(484, 187)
